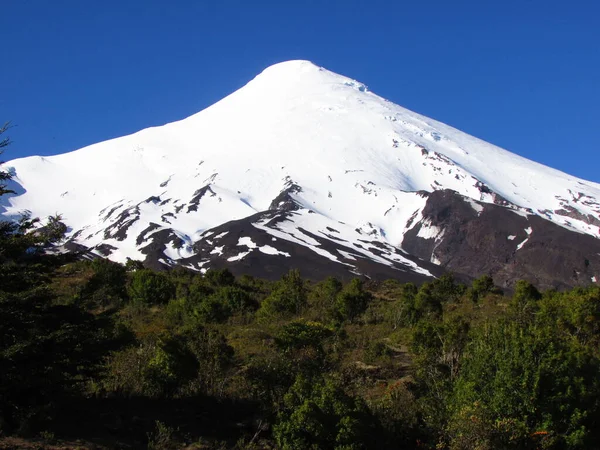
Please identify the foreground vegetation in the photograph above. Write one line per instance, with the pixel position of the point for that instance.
(120, 356)
(127, 357)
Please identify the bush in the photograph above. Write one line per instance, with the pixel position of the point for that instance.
(323, 296)
(318, 414)
(150, 288)
(235, 300)
(211, 310)
(299, 335)
(155, 367)
(351, 301)
(214, 357)
(288, 298)
(221, 277)
(481, 287)
(108, 283)
(533, 381)
(377, 351)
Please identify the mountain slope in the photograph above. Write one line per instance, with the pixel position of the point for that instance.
(306, 156)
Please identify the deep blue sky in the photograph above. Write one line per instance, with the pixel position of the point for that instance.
(524, 75)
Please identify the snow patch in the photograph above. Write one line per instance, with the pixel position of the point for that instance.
(476, 206)
(217, 250)
(238, 257)
(429, 231)
(347, 255)
(268, 250)
(520, 246)
(247, 242)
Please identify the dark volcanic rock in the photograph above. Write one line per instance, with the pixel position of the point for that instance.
(503, 243)
(220, 247)
(284, 201)
(118, 229)
(193, 204)
(105, 249)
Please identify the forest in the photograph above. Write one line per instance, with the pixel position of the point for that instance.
(95, 354)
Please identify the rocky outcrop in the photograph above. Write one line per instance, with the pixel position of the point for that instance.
(505, 243)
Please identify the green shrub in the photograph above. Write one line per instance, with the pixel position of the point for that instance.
(221, 277)
(481, 287)
(532, 380)
(155, 367)
(150, 288)
(352, 301)
(377, 351)
(107, 284)
(288, 298)
(319, 415)
(299, 335)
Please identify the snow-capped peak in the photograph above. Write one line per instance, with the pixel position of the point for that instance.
(353, 157)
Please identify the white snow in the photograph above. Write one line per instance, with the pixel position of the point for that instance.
(268, 250)
(476, 206)
(520, 246)
(359, 159)
(347, 255)
(247, 242)
(511, 237)
(238, 257)
(429, 231)
(528, 230)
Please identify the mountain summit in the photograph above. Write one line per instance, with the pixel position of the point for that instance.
(306, 168)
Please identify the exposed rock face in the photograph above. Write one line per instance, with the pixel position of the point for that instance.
(285, 201)
(246, 248)
(507, 244)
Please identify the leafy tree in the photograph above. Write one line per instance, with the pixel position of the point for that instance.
(155, 367)
(481, 287)
(214, 358)
(427, 303)
(150, 288)
(398, 412)
(299, 335)
(223, 303)
(323, 295)
(318, 414)
(108, 283)
(235, 300)
(221, 277)
(289, 297)
(446, 289)
(524, 384)
(131, 265)
(524, 303)
(352, 300)
(404, 311)
(211, 310)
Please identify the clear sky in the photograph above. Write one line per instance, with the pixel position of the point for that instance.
(524, 75)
